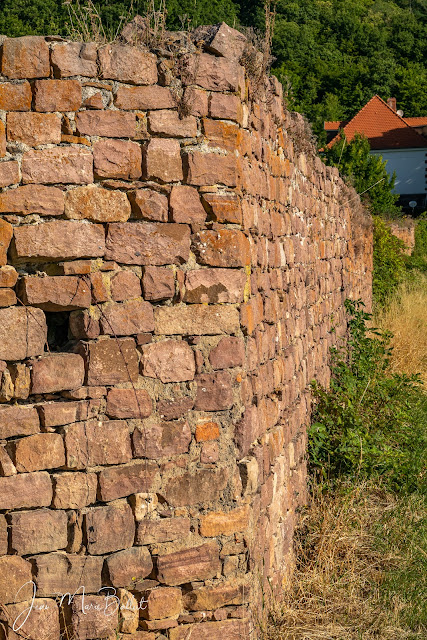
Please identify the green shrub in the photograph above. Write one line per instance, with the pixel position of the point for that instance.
(389, 262)
(370, 422)
(418, 259)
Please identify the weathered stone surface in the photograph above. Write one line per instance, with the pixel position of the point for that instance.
(127, 64)
(15, 579)
(7, 468)
(149, 205)
(54, 414)
(205, 169)
(161, 439)
(215, 74)
(129, 611)
(122, 481)
(199, 563)
(230, 629)
(46, 201)
(2, 139)
(3, 533)
(185, 205)
(206, 431)
(33, 128)
(7, 297)
(215, 596)
(228, 42)
(214, 392)
(168, 123)
(57, 372)
(163, 160)
(117, 159)
(224, 208)
(143, 98)
(158, 283)
(38, 531)
(37, 452)
(59, 164)
(25, 490)
(128, 403)
(97, 204)
(57, 95)
(204, 485)
(127, 318)
(74, 490)
(26, 57)
(109, 124)
(214, 285)
(222, 135)
(161, 603)
(96, 617)
(66, 573)
(36, 619)
(84, 325)
(21, 379)
(59, 239)
(18, 421)
(6, 233)
(15, 97)
(169, 360)
(162, 530)
(173, 409)
(99, 356)
(196, 100)
(55, 293)
(148, 243)
(224, 524)
(196, 320)
(229, 352)
(9, 173)
(223, 248)
(124, 285)
(94, 442)
(129, 566)
(226, 107)
(109, 528)
(74, 59)
(23, 332)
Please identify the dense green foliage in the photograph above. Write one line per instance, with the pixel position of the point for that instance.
(418, 259)
(389, 262)
(370, 422)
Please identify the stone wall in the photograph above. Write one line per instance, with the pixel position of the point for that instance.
(173, 257)
(404, 229)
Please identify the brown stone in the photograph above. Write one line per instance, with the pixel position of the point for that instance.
(143, 98)
(8, 276)
(158, 283)
(55, 293)
(20, 375)
(35, 619)
(206, 431)
(224, 208)
(224, 248)
(186, 206)
(74, 59)
(94, 442)
(15, 97)
(196, 101)
(15, 579)
(129, 566)
(229, 352)
(224, 524)
(214, 392)
(6, 233)
(57, 95)
(29, 199)
(127, 64)
(7, 297)
(204, 485)
(163, 160)
(94, 617)
(38, 452)
(215, 74)
(173, 409)
(117, 159)
(129, 611)
(59, 239)
(196, 320)
(161, 603)
(62, 573)
(128, 403)
(25, 490)
(213, 597)
(57, 372)
(100, 286)
(162, 530)
(38, 531)
(205, 169)
(148, 243)
(9, 173)
(99, 356)
(230, 629)
(2, 139)
(227, 42)
(3, 535)
(122, 481)
(169, 360)
(74, 490)
(109, 528)
(209, 452)
(161, 439)
(226, 107)
(94, 101)
(26, 57)
(23, 332)
(7, 468)
(199, 563)
(124, 285)
(97, 204)
(168, 123)
(127, 318)
(84, 325)
(60, 164)
(18, 421)
(149, 205)
(222, 135)
(109, 124)
(214, 285)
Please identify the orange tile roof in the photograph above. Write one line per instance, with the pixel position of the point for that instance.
(383, 127)
(333, 125)
(420, 121)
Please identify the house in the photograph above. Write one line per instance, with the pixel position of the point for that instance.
(402, 142)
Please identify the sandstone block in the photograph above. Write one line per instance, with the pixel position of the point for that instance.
(117, 159)
(74, 490)
(204, 485)
(186, 206)
(214, 285)
(84, 325)
(18, 420)
(95, 617)
(15, 97)
(7, 468)
(8, 276)
(206, 431)
(199, 563)
(3, 534)
(74, 59)
(100, 355)
(230, 629)
(143, 98)
(54, 414)
(109, 124)
(246, 430)
(127, 318)
(196, 100)
(129, 566)
(15, 579)
(2, 139)
(161, 439)
(9, 173)
(23, 332)
(227, 42)
(163, 160)
(158, 283)
(214, 392)
(25, 490)
(215, 74)
(148, 243)
(109, 528)
(122, 481)
(94, 442)
(60, 164)
(38, 531)
(127, 64)
(222, 135)
(168, 123)
(129, 611)
(7, 297)
(215, 596)
(169, 360)
(149, 205)
(229, 352)
(36, 619)
(97, 204)
(196, 320)
(162, 530)
(225, 107)
(224, 248)
(124, 285)
(143, 504)
(205, 169)
(66, 573)
(33, 128)
(128, 403)
(55, 293)
(173, 409)
(224, 208)
(57, 372)
(46, 201)
(20, 375)
(37, 452)
(57, 95)
(224, 524)
(163, 602)
(59, 239)
(209, 452)
(26, 57)
(6, 233)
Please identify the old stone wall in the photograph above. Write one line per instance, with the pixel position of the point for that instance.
(173, 257)
(404, 229)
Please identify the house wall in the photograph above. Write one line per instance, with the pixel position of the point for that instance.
(410, 167)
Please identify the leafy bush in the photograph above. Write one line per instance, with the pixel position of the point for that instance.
(370, 422)
(418, 259)
(389, 262)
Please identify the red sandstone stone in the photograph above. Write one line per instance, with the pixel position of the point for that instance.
(9, 173)
(62, 573)
(246, 431)
(162, 530)
(97, 204)
(144, 98)
(205, 485)
(94, 101)
(149, 204)
(100, 288)
(84, 325)
(169, 360)
(229, 352)
(15, 579)
(38, 452)
(209, 453)
(2, 139)
(127, 318)
(15, 97)
(207, 431)
(7, 297)
(95, 617)
(8, 276)
(214, 392)
(55, 293)
(26, 57)
(57, 95)
(196, 101)
(214, 285)
(59, 164)
(54, 414)
(127, 64)
(38, 531)
(228, 42)
(215, 596)
(96, 442)
(163, 160)
(195, 320)
(122, 481)
(161, 603)
(74, 59)
(223, 248)
(23, 332)
(99, 356)
(158, 283)
(222, 135)
(173, 409)
(36, 619)
(215, 74)
(148, 243)
(219, 523)
(129, 566)
(224, 208)
(57, 372)
(74, 490)
(161, 439)
(3, 535)
(109, 528)
(168, 123)
(25, 490)
(18, 420)
(124, 285)
(128, 403)
(117, 159)
(226, 107)
(109, 124)
(199, 563)
(46, 201)
(230, 629)
(186, 206)
(211, 168)
(6, 233)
